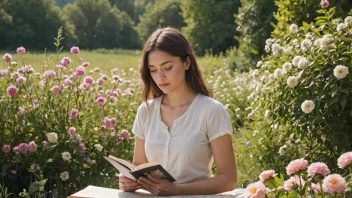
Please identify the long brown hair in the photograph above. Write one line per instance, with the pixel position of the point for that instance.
(171, 41)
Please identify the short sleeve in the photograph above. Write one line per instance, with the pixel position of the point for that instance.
(140, 122)
(218, 121)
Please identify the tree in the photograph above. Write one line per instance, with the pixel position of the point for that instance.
(160, 14)
(125, 6)
(210, 24)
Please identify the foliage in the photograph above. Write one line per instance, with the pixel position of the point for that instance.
(210, 24)
(302, 102)
(254, 20)
(160, 13)
(42, 103)
(290, 11)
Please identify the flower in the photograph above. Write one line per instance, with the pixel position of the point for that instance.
(344, 160)
(318, 168)
(72, 131)
(65, 61)
(101, 101)
(49, 74)
(23, 148)
(292, 81)
(296, 165)
(6, 148)
(64, 176)
(98, 147)
(307, 106)
(306, 45)
(68, 81)
(293, 28)
(334, 183)
(89, 80)
(295, 60)
(341, 27)
(21, 50)
(80, 70)
(7, 57)
(293, 182)
(3, 73)
(317, 42)
(52, 137)
(85, 64)
(325, 41)
(348, 20)
(266, 175)
(316, 188)
(286, 67)
(81, 148)
(73, 114)
(256, 190)
(124, 134)
(66, 156)
(303, 63)
(55, 90)
(21, 79)
(324, 4)
(32, 147)
(278, 73)
(74, 50)
(12, 91)
(340, 71)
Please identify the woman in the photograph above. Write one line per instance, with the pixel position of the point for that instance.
(179, 124)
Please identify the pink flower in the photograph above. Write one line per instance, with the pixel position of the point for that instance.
(256, 190)
(107, 122)
(113, 121)
(97, 69)
(49, 74)
(324, 4)
(23, 148)
(81, 148)
(293, 182)
(103, 137)
(296, 165)
(67, 81)
(21, 50)
(21, 79)
(89, 80)
(3, 73)
(65, 61)
(85, 64)
(55, 90)
(74, 50)
(124, 134)
(72, 131)
(32, 147)
(113, 71)
(59, 66)
(14, 172)
(344, 160)
(7, 57)
(266, 175)
(12, 91)
(6, 148)
(105, 77)
(85, 86)
(315, 188)
(20, 111)
(73, 114)
(334, 183)
(100, 81)
(80, 70)
(318, 168)
(101, 101)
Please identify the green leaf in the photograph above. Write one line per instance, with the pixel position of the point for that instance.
(33, 187)
(343, 101)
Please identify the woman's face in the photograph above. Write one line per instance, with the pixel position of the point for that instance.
(168, 72)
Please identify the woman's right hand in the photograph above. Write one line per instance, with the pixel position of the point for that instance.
(127, 184)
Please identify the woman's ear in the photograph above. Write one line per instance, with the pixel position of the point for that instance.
(187, 63)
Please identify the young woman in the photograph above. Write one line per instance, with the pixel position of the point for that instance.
(179, 124)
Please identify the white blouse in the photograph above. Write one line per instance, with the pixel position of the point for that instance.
(185, 151)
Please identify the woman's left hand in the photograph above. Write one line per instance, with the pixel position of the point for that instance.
(157, 186)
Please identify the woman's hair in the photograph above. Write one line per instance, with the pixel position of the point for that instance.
(171, 41)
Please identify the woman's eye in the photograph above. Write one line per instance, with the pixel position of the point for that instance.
(168, 68)
(152, 70)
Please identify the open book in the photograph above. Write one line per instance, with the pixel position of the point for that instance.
(134, 172)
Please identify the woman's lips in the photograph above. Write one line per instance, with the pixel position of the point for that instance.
(164, 85)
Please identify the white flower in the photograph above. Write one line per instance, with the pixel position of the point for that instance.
(52, 137)
(278, 73)
(341, 27)
(269, 41)
(267, 48)
(282, 150)
(303, 63)
(64, 176)
(259, 63)
(340, 71)
(286, 67)
(317, 42)
(295, 60)
(288, 50)
(348, 20)
(266, 114)
(98, 147)
(292, 81)
(293, 28)
(309, 36)
(328, 36)
(275, 47)
(307, 106)
(295, 42)
(324, 42)
(66, 156)
(306, 45)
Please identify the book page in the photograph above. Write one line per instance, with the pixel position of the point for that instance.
(145, 165)
(122, 169)
(124, 162)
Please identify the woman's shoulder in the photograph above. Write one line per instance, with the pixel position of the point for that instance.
(209, 102)
(149, 105)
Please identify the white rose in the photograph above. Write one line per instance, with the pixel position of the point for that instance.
(52, 137)
(341, 27)
(66, 156)
(303, 63)
(64, 176)
(340, 71)
(293, 28)
(295, 60)
(307, 106)
(292, 81)
(98, 147)
(286, 67)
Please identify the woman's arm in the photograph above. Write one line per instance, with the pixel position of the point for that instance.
(224, 181)
(139, 156)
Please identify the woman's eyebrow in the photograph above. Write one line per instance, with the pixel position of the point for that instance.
(161, 63)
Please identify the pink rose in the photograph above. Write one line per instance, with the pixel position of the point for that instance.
(318, 168)
(266, 175)
(296, 165)
(316, 188)
(344, 160)
(334, 183)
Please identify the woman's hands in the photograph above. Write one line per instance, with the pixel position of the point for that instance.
(157, 186)
(128, 185)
